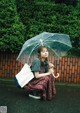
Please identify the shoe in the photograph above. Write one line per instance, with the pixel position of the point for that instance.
(34, 94)
(35, 97)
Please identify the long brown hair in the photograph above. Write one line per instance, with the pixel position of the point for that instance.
(39, 51)
(46, 62)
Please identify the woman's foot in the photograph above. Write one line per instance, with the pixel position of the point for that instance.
(35, 97)
(34, 94)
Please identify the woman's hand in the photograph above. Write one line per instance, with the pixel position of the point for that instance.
(51, 65)
(51, 70)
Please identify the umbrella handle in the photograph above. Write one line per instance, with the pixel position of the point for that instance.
(55, 76)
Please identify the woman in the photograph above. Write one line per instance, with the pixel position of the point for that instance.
(42, 86)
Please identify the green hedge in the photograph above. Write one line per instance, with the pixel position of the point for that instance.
(43, 15)
(68, 2)
(39, 16)
(12, 31)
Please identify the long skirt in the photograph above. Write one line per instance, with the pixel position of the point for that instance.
(44, 84)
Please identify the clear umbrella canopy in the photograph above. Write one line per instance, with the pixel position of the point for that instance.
(58, 45)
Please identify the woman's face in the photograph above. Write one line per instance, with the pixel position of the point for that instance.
(44, 53)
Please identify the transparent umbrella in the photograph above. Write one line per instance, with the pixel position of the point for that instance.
(58, 44)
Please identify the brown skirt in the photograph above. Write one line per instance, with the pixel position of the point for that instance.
(44, 84)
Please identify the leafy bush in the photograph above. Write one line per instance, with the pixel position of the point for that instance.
(39, 16)
(12, 30)
(68, 2)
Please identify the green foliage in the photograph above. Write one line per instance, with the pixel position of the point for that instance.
(39, 16)
(12, 30)
(68, 2)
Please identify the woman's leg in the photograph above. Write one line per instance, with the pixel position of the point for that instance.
(43, 84)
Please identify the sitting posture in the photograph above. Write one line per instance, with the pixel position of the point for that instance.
(42, 85)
